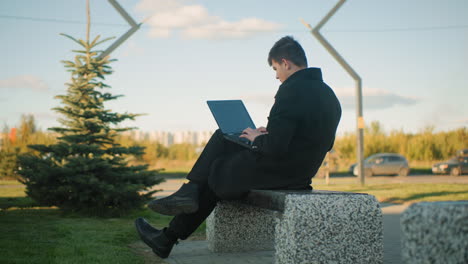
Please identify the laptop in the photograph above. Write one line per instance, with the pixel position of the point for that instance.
(232, 118)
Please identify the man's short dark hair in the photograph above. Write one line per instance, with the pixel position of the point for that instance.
(288, 48)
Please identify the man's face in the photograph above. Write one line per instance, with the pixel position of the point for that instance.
(281, 68)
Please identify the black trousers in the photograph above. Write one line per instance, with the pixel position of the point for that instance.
(182, 226)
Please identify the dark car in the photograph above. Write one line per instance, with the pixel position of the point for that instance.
(351, 168)
(384, 164)
(461, 153)
(455, 166)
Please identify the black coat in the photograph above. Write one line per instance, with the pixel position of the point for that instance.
(301, 130)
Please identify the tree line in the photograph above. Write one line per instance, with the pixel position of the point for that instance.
(156, 151)
(425, 145)
(15, 141)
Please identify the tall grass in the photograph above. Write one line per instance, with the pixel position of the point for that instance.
(421, 149)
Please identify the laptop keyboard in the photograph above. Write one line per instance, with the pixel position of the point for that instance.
(236, 137)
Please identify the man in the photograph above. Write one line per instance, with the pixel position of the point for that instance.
(284, 155)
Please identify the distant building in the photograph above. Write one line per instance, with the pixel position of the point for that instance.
(167, 138)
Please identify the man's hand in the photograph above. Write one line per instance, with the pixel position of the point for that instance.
(262, 130)
(251, 134)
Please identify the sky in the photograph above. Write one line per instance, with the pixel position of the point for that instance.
(412, 57)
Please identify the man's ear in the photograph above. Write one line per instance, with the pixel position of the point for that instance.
(286, 63)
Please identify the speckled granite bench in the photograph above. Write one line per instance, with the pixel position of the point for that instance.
(301, 226)
(435, 232)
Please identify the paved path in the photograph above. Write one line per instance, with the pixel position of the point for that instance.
(168, 187)
(196, 252)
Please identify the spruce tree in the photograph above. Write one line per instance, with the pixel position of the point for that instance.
(87, 171)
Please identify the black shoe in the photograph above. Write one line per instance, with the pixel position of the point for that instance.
(154, 238)
(184, 201)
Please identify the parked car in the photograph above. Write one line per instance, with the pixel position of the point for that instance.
(461, 153)
(384, 164)
(351, 168)
(455, 166)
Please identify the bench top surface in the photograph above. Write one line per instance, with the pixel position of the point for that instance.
(275, 199)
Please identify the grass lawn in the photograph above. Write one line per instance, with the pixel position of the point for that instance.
(32, 234)
(405, 192)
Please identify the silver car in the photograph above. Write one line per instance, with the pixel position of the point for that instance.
(384, 164)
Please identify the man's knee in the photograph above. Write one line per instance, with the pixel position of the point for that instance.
(226, 191)
(218, 133)
(217, 136)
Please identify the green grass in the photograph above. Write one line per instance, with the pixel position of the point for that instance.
(173, 174)
(12, 191)
(46, 236)
(406, 192)
(9, 182)
(31, 234)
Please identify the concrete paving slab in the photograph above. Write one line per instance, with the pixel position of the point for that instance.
(196, 252)
(392, 232)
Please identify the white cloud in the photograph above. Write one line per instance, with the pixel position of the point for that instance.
(445, 115)
(194, 21)
(372, 98)
(25, 82)
(223, 29)
(158, 5)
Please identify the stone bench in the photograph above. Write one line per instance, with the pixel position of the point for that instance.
(435, 232)
(301, 226)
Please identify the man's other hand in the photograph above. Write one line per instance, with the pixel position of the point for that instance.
(262, 130)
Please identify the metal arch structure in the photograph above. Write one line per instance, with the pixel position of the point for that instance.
(359, 118)
(133, 28)
(316, 33)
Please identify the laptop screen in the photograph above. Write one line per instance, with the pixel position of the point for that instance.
(231, 115)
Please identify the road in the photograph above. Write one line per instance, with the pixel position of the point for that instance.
(173, 184)
(419, 178)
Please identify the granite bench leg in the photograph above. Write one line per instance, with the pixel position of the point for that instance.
(235, 227)
(314, 228)
(435, 232)
(333, 228)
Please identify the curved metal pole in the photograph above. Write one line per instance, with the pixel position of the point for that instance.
(359, 118)
(130, 21)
